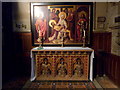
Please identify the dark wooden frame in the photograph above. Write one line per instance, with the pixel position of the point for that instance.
(90, 20)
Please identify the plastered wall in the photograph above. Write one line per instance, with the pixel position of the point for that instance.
(21, 16)
(100, 11)
(114, 11)
(109, 10)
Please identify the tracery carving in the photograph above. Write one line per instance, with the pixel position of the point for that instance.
(62, 68)
(45, 67)
(78, 67)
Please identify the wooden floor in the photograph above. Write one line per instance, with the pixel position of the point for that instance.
(105, 82)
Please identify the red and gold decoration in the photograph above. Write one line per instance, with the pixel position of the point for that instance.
(61, 24)
(62, 65)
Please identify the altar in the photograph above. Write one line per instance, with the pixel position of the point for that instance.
(62, 63)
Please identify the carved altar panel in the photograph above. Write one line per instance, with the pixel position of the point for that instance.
(62, 65)
(41, 65)
(80, 66)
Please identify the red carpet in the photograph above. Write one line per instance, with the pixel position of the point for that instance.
(23, 83)
(60, 84)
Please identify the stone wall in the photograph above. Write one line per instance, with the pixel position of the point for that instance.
(109, 11)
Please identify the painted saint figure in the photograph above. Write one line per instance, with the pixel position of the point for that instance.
(53, 15)
(55, 31)
(60, 29)
(40, 25)
(70, 18)
(62, 23)
(70, 21)
(81, 26)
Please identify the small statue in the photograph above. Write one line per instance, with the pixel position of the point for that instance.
(78, 67)
(62, 68)
(45, 67)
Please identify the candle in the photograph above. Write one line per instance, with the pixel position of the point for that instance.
(84, 33)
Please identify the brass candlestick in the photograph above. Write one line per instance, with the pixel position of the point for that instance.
(41, 43)
(40, 46)
(83, 41)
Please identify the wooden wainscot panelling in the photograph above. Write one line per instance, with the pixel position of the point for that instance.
(22, 47)
(118, 71)
(102, 41)
(112, 67)
(22, 42)
(101, 44)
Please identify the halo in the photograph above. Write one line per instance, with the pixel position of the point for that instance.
(51, 21)
(82, 12)
(62, 13)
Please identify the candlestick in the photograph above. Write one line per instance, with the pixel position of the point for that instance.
(42, 39)
(41, 42)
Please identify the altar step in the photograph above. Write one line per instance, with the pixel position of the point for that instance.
(24, 82)
(60, 85)
(65, 78)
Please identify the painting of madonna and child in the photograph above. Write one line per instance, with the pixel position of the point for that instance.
(57, 24)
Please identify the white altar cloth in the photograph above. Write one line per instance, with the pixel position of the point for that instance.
(33, 76)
